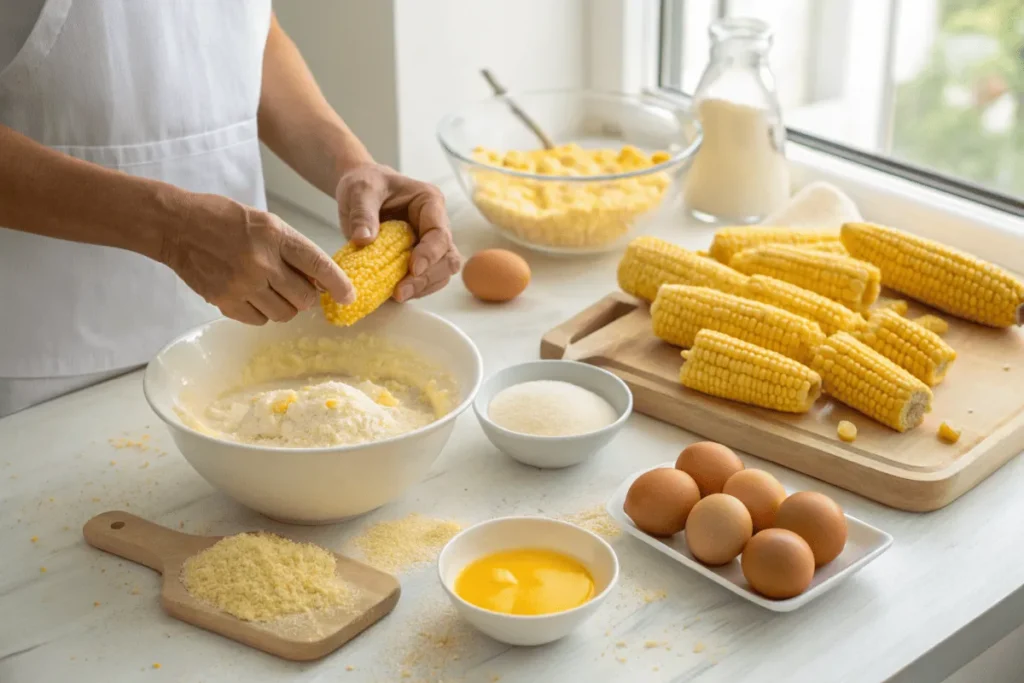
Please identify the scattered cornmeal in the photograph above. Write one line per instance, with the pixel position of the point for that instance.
(156, 665)
(399, 544)
(260, 577)
(595, 520)
(948, 433)
(847, 431)
(933, 323)
(34, 539)
(42, 570)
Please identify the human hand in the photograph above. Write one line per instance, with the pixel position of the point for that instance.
(370, 193)
(250, 264)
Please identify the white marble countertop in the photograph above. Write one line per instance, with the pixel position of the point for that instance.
(92, 617)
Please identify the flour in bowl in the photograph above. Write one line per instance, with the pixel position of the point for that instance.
(333, 411)
(550, 408)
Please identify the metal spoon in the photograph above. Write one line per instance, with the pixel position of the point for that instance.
(499, 91)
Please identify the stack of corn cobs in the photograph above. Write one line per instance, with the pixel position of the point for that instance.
(772, 316)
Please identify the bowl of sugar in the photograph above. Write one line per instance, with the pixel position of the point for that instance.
(552, 413)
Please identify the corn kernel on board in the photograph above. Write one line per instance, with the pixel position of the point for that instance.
(912, 471)
(305, 638)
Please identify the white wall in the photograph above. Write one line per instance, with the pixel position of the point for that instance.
(393, 68)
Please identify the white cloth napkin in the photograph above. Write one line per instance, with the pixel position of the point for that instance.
(819, 206)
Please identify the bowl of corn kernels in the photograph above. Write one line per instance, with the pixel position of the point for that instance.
(617, 163)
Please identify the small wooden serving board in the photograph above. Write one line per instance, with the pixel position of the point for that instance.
(911, 471)
(299, 637)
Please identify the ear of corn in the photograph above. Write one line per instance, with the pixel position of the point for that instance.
(863, 379)
(723, 366)
(730, 241)
(650, 262)
(375, 270)
(832, 247)
(920, 352)
(830, 315)
(679, 312)
(940, 276)
(933, 323)
(853, 283)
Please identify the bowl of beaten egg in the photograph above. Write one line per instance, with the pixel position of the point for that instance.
(311, 423)
(618, 160)
(527, 580)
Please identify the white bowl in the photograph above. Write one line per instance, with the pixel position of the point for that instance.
(509, 533)
(553, 452)
(308, 485)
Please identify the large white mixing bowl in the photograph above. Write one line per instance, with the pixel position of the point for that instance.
(308, 485)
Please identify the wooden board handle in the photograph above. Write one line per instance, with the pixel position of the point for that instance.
(556, 342)
(138, 540)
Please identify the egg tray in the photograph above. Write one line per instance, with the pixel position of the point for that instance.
(864, 543)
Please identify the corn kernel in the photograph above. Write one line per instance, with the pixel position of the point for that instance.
(847, 431)
(948, 434)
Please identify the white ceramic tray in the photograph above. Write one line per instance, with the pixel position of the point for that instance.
(864, 543)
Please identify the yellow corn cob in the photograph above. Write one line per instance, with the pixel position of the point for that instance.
(723, 366)
(830, 315)
(948, 434)
(375, 270)
(853, 283)
(650, 262)
(940, 276)
(831, 247)
(863, 379)
(679, 312)
(730, 241)
(846, 431)
(933, 323)
(918, 351)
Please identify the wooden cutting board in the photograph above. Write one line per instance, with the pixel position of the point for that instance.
(298, 637)
(983, 394)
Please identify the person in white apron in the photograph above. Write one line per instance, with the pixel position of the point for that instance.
(131, 188)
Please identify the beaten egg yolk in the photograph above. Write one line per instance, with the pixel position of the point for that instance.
(525, 582)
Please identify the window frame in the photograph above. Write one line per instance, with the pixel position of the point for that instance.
(638, 36)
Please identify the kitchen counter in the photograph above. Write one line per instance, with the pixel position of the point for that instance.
(950, 586)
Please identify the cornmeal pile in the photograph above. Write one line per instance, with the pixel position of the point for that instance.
(568, 214)
(261, 577)
(399, 544)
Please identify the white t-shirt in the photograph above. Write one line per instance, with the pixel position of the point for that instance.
(17, 17)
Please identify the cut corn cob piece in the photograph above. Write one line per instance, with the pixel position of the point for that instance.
(375, 271)
(730, 241)
(726, 367)
(948, 434)
(855, 284)
(918, 351)
(940, 276)
(933, 323)
(846, 431)
(650, 262)
(899, 306)
(679, 312)
(863, 379)
(830, 315)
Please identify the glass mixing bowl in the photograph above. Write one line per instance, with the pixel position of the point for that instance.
(618, 160)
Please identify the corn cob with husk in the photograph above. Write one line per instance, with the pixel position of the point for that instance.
(375, 270)
(650, 262)
(679, 312)
(917, 350)
(728, 242)
(853, 283)
(857, 375)
(726, 367)
(948, 279)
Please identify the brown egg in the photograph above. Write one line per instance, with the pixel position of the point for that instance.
(660, 501)
(710, 464)
(818, 520)
(718, 528)
(496, 275)
(760, 492)
(778, 564)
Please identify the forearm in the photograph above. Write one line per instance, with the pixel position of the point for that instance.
(48, 193)
(297, 123)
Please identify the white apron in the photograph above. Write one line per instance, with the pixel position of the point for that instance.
(158, 89)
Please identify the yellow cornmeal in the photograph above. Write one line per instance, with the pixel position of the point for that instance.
(568, 214)
(260, 577)
(399, 544)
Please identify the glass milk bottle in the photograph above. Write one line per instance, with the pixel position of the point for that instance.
(739, 174)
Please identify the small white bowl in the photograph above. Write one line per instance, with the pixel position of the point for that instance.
(552, 452)
(510, 533)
